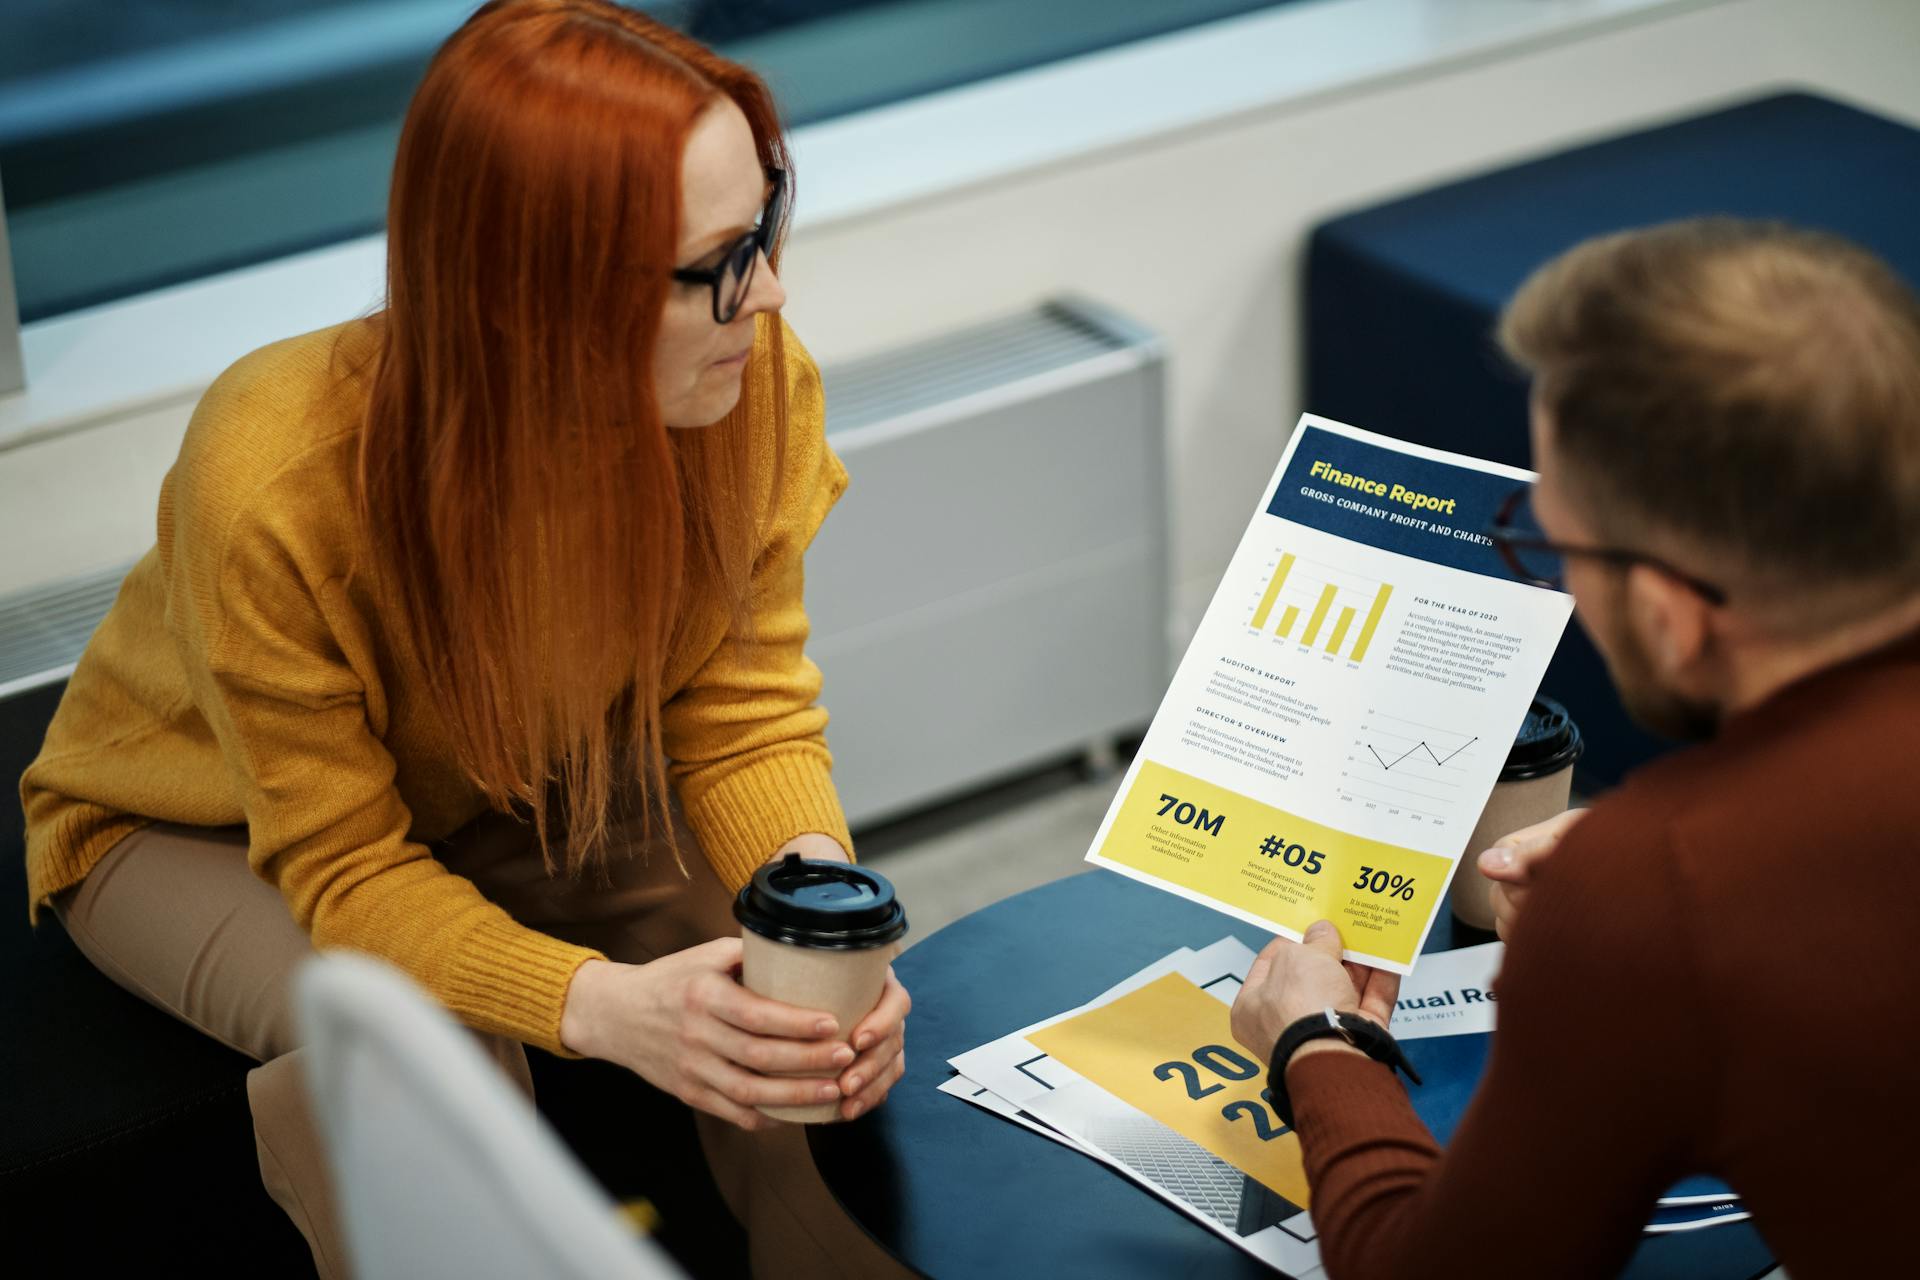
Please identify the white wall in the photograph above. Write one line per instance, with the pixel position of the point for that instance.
(1198, 234)
(1201, 235)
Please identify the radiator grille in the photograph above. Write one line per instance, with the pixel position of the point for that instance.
(43, 630)
(1049, 338)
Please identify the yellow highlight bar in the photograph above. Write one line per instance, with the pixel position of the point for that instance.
(1287, 620)
(1319, 614)
(1340, 630)
(1307, 871)
(1124, 1045)
(1373, 620)
(1273, 592)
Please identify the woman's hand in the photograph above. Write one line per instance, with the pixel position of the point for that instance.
(1292, 980)
(688, 1027)
(1509, 863)
(881, 1038)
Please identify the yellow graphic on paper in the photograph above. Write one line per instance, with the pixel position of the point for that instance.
(1373, 621)
(1340, 629)
(1155, 1048)
(1275, 866)
(1274, 584)
(1322, 611)
(1319, 613)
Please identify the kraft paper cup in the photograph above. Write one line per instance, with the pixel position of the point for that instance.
(818, 935)
(1535, 784)
(846, 984)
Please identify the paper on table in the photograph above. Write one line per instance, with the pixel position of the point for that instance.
(1168, 1052)
(1450, 993)
(1166, 1162)
(1225, 952)
(1668, 1219)
(1229, 958)
(987, 1100)
(1301, 1226)
(1675, 1213)
(1701, 1202)
(997, 1065)
(1695, 1191)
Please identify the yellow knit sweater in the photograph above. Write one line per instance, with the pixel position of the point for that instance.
(246, 675)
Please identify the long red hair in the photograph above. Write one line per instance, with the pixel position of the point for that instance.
(540, 523)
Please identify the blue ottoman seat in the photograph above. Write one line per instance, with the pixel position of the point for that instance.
(126, 1140)
(1402, 298)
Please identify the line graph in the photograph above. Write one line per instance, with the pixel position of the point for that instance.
(1439, 761)
(1407, 767)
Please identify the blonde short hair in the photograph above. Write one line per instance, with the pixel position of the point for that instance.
(1746, 388)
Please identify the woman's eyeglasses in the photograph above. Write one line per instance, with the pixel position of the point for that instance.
(1533, 557)
(733, 278)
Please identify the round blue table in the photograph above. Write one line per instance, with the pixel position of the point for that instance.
(956, 1192)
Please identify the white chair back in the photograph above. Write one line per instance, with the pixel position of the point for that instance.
(442, 1168)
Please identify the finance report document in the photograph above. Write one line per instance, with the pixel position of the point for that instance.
(1335, 728)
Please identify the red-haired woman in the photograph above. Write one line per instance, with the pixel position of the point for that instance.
(473, 635)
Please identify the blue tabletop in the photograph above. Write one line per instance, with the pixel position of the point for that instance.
(956, 1192)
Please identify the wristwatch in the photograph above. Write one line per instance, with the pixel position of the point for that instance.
(1364, 1034)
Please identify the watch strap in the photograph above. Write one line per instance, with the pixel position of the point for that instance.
(1364, 1034)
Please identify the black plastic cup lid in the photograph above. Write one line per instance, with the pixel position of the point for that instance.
(1548, 742)
(832, 905)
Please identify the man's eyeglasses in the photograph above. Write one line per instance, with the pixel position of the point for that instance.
(733, 278)
(1533, 557)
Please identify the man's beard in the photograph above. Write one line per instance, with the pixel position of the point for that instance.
(1651, 704)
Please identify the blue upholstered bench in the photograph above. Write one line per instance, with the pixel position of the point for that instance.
(1401, 298)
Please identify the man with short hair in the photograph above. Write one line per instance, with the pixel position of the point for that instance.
(1714, 971)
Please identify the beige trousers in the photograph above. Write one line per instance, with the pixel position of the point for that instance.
(175, 915)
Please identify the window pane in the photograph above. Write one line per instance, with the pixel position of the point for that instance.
(176, 138)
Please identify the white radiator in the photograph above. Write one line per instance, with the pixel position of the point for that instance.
(992, 591)
(43, 630)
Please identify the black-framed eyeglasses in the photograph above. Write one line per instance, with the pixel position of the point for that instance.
(1534, 558)
(733, 278)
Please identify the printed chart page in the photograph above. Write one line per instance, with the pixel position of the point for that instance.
(1337, 724)
(1146, 1079)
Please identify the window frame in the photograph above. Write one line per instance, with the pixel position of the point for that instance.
(13, 362)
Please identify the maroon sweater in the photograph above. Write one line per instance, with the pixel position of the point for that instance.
(1717, 972)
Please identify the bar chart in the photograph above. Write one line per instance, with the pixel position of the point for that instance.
(1319, 606)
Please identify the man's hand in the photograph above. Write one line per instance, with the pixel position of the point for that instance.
(1511, 860)
(1290, 980)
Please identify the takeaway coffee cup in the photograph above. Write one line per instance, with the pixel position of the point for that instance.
(819, 935)
(1535, 784)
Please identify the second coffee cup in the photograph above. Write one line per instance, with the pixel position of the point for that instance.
(819, 935)
(1535, 784)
